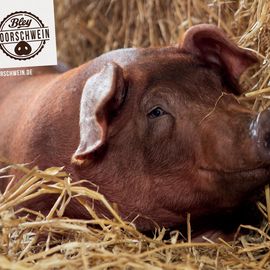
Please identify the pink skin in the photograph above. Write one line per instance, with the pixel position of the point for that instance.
(159, 130)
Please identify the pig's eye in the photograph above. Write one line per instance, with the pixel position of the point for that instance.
(156, 112)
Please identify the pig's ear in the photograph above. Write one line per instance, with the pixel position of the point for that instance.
(210, 44)
(102, 93)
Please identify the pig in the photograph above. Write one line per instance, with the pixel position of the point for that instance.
(160, 131)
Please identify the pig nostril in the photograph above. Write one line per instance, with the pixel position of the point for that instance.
(267, 140)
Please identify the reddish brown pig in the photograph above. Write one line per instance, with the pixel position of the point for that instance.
(159, 130)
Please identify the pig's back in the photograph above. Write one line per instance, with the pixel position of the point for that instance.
(16, 96)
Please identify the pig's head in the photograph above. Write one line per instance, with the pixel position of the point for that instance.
(166, 135)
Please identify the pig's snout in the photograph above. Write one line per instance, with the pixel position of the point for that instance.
(260, 131)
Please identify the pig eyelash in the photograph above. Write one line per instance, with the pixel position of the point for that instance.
(156, 112)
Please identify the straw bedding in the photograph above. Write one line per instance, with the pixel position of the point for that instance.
(86, 29)
(34, 241)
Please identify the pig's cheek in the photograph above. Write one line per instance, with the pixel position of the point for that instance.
(160, 129)
(205, 147)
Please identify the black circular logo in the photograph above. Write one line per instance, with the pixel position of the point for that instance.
(22, 35)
